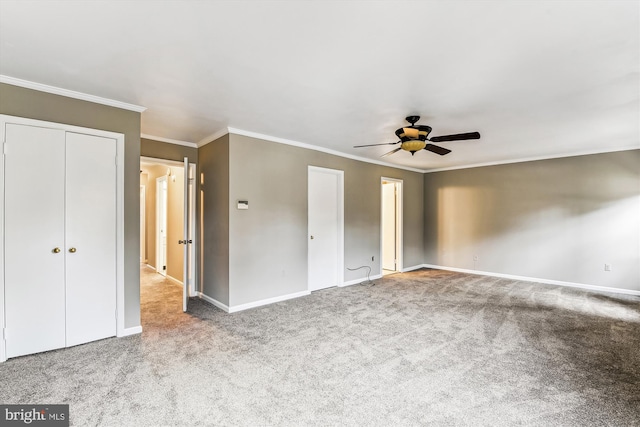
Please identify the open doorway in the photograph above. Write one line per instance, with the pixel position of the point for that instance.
(391, 225)
(169, 218)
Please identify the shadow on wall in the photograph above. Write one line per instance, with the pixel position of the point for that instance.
(559, 219)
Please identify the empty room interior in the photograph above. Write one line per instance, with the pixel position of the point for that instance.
(287, 213)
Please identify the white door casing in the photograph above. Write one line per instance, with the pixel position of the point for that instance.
(325, 228)
(29, 166)
(389, 226)
(397, 244)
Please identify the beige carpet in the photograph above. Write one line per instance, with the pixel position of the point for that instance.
(421, 348)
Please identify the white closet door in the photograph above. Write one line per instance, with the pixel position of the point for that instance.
(34, 228)
(90, 238)
(323, 223)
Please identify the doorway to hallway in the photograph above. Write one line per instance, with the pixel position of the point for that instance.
(391, 225)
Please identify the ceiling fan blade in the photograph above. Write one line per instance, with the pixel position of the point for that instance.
(456, 137)
(373, 145)
(391, 152)
(436, 149)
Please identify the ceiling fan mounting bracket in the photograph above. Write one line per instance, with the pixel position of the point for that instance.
(412, 119)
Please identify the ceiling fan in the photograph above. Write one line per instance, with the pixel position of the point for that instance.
(414, 138)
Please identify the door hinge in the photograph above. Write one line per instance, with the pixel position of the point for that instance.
(4, 334)
(116, 314)
(4, 148)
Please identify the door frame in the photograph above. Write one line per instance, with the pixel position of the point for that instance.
(340, 203)
(119, 161)
(399, 221)
(195, 236)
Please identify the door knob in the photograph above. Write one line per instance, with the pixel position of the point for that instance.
(311, 237)
(56, 250)
(72, 250)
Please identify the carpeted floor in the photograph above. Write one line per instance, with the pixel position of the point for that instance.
(422, 348)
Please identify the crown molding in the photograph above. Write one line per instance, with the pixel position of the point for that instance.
(169, 140)
(70, 93)
(316, 148)
(536, 158)
(212, 137)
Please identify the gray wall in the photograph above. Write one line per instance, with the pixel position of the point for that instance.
(559, 219)
(163, 150)
(268, 242)
(213, 206)
(21, 102)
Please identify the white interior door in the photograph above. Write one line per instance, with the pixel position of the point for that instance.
(186, 239)
(389, 226)
(34, 239)
(161, 225)
(90, 238)
(324, 228)
(143, 224)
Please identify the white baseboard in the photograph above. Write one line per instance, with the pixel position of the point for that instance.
(175, 281)
(358, 281)
(415, 267)
(214, 302)
(129, 331)
(537, 280)
(242, 307)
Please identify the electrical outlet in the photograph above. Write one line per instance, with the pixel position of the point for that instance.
(607, 267)
(475, 257)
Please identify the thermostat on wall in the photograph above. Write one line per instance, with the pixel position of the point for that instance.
(243, 204)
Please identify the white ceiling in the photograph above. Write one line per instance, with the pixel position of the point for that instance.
(537, 79)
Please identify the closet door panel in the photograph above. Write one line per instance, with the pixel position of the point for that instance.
(90, 238)
(34, 227)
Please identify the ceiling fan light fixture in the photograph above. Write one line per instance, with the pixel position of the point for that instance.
(411, 132)
(414, 145)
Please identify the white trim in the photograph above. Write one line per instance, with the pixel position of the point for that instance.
(242, 307)
(120, 153)
(399, 187)
(316, 148)
(168, 140)
(537, 280)
(535, 158)
(129, 331)
(3, 353)
(175, 281)
(214, 302)
(207, 139)
(70, 93)
(359, 281)
(412, 268)
(247, 306)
